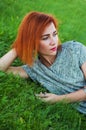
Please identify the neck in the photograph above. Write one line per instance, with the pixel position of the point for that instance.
(47, 61)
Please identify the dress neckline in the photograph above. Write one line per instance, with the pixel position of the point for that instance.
(51, 64)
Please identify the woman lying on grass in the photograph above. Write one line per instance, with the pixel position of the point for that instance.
(61, 69)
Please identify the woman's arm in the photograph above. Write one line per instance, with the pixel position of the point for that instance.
(83, 67)
(79, 95)
(17, 71)
(7, 60)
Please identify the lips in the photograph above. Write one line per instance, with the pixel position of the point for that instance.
(54, 49)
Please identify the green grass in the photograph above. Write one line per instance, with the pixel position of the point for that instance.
(19, 108)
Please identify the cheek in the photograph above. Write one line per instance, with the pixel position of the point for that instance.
(42, 47)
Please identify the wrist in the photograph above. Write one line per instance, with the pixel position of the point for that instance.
(14, 53)
(84, 89)
(60, 97)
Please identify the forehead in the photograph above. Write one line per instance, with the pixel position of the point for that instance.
(49, 28)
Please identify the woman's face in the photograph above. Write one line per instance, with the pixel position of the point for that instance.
(49, 41)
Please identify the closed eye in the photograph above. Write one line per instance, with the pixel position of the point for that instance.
(55, 33)
(44, 38)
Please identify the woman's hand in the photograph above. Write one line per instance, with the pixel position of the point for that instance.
(49, 97)
(77, 96)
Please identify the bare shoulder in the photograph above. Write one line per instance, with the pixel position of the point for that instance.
(18, 71)
(83, 67)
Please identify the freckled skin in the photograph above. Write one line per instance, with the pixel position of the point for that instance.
(49, 40)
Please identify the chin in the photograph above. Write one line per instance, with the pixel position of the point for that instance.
(54, 53)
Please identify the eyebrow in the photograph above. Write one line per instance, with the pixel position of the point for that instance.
(48, 34)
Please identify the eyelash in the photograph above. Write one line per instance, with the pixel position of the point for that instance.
(47, 37)
(55, 33)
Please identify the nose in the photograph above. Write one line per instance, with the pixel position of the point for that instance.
(52, 41)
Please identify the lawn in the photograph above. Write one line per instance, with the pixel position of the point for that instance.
(19, 108)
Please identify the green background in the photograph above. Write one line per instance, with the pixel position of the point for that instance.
(19, 108)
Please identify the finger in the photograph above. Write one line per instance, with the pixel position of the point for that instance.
(42, 95)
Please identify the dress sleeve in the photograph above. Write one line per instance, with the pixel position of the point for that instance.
(82, 58)
(79, 50)
(30, 72)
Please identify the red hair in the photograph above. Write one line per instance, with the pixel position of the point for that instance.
(29, 33)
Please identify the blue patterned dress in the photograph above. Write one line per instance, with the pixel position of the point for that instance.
(64, 75)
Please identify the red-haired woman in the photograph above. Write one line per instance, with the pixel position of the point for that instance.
(61, 69)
